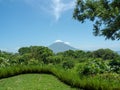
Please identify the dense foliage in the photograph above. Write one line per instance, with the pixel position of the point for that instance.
(104, 13)
(38, 53)
(86, 64)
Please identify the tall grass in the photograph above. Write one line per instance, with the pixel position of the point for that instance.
(69, 77)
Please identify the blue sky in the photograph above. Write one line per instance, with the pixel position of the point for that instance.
(42, 22)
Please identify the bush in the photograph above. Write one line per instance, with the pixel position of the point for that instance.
(68, 64)
(33, 62)
(95, 66)
(54, 59)
(115, 65)
(4, 62)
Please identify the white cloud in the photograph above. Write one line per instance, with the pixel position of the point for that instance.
(67, 43)
(54, 7)
(58, 41)
(63, 42)
(58, 7)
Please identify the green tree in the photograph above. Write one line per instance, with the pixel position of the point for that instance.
(68, 53)
(104, 13)
(80, 54)
(24, 50)
(105, 54)
(39, 53)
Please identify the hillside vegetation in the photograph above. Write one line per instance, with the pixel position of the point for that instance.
(97, 70)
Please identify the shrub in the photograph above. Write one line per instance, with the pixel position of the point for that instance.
(54, 59)
(4, 62)
(95, 66)
(115, 65)
(33, 62)
(68, 64)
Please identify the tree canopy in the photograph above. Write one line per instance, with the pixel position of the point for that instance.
(35, 52)
(104, 13)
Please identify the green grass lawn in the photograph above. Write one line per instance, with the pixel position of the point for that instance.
(33, 82)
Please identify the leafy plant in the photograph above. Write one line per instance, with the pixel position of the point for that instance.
(95, 66)
(68, 64)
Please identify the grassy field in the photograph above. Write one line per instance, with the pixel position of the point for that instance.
(33, 82)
